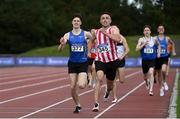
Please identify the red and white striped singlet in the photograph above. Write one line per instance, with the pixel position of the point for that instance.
(106, 47)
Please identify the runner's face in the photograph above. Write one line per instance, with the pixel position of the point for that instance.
(76, 22)
(160, 30)
(147, 31)
(105, 20)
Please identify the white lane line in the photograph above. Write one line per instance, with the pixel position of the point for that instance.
(11, 74)
(28, 71)
(33, 94)
(54, 104)
(32, 78)
(35, 84)
(44, 91)
(112, 105)
(173, 99)
(22, 75)
(32, 113)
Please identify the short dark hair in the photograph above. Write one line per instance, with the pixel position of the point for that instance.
(161, 25)
(106, 13)
(147, 26)
(77, 15)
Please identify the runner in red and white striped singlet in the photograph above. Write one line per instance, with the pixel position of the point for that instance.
(106, 61)
(106, 47)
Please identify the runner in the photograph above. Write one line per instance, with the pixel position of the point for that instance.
(161, 66)
(122, 50)
(106, 60)
(91, 66)
(148, 48)
(77, 64)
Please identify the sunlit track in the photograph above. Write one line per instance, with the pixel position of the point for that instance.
(52, 89)
(67, 99)
(11, 74)
(33, 94)
(50, 98)
(31, 85)
(30, 74)
(28, 71)
(34, 78)
(123, 97)
(16, 70)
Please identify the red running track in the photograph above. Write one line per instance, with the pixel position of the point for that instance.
(44, 92)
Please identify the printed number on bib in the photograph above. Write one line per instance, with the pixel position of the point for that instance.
(120, 49)
(163, 51)
(77, 48)
(148, 50)
(103, 48)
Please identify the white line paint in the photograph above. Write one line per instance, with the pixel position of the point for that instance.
(127, 94)
(44, 91)
(54, 105)
(35, 84)
(50, 106)
(173, 99)
(29, 79)
(22, 75)
(33, 94)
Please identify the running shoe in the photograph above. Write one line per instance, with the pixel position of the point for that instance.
(161, 92)
(96, 107)
(115, 100)
(165, 86)
(77, 109)
(106, 96)
(151, 93)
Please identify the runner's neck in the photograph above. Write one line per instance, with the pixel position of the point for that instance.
(76, 31)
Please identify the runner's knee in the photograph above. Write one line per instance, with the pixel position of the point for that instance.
(82, 86)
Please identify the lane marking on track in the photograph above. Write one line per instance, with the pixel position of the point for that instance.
(32, 78)
(35, 84)
(44, 91)
(23, 76)
(25, 96)
(119, 100)
(173, 100)
(42, 109)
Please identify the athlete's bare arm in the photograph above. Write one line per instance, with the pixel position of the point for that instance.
(125, 46)
(159, 47)
(140, 44)
(63, 41)
(91, 41)
(88, 35)
(173, 45)
(115, 35)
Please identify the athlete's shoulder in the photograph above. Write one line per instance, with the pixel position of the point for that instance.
(154, 37)
(141, 39)
(167, 37)
(88, 34)
(66, 36)
(114, 27)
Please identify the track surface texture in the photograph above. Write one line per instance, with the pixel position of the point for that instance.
(44, 92)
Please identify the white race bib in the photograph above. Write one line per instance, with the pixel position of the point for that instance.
(163, 51)
(148, 50)
(120, 50)
(77, 48)
(103, 48)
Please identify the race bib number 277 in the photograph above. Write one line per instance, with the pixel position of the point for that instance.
(77, 48)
